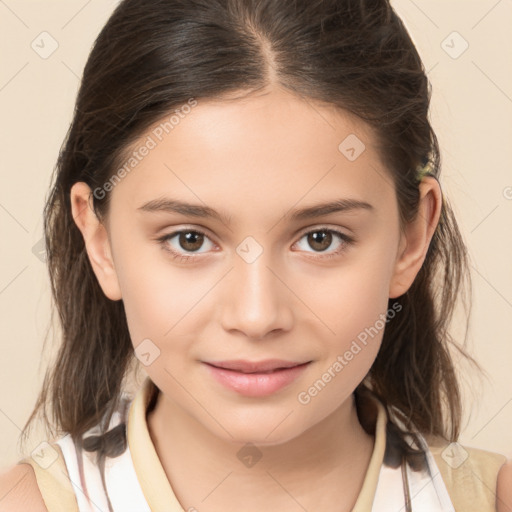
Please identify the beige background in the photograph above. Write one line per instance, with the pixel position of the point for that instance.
(471, 112)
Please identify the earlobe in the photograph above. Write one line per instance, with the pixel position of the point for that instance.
(416, 237)
(97, 243)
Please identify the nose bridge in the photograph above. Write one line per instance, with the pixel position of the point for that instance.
(256, 299)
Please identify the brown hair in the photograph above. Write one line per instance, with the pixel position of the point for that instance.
(149, 60)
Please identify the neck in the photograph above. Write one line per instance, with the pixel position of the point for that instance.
(323, 468)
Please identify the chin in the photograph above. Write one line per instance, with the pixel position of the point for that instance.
(266, 433)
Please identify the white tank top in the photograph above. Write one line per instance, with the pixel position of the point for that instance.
(121, 481)
(382, 489)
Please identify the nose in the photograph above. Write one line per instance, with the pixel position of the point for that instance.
(256, 300)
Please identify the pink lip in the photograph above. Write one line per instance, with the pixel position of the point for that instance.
(257, 382)
(254, 366)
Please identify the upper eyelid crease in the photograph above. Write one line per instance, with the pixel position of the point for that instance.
(195, 210)
(302, 232)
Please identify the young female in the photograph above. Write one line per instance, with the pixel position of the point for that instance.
(248, 198)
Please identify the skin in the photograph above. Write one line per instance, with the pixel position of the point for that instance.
(257, 159)
(504, 488)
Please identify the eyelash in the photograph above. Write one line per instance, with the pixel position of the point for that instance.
(347, 240)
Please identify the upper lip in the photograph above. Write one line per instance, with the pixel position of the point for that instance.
(255, 366)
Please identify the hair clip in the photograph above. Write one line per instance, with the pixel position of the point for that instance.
(424, 170)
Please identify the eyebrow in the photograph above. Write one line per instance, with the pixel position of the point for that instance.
(168, 205)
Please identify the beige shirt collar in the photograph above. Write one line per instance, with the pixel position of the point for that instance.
(157, 489)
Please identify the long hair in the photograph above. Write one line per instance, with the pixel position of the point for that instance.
(149, 60)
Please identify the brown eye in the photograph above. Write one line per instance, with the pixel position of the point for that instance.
(190, 240)
(185, 242)
(320, 240)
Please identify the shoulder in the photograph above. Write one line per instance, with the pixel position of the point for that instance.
(455, 456)
(39, 482)
(504, 488)
(471, 475)
(19, 490)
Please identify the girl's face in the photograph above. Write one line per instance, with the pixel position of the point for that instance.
(260, 271)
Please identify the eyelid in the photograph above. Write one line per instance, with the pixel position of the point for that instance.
(186, 228)
(322, 227)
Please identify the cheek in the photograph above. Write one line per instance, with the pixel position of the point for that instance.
(159, 298)
(352, 306)
(351, 297)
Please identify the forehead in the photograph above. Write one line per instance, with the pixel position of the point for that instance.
(258, 152)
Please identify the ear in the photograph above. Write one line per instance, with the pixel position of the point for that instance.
(97, 243)
(416, 236)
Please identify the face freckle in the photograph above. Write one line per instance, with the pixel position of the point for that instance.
(240, 172)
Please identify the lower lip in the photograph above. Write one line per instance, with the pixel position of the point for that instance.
(256, 384)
